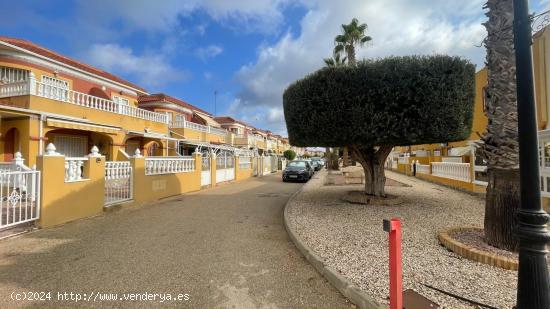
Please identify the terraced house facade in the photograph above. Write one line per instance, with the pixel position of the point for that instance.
(69, 130)
(457, 164)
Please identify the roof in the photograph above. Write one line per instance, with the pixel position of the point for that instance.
(227, 119)
(34, 48)
(160, 97)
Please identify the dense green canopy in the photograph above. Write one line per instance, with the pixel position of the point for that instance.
(392, 101)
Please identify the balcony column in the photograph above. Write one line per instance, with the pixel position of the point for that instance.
(32, 83)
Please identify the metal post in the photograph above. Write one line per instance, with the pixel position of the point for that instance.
(393, 227)
(533, 284)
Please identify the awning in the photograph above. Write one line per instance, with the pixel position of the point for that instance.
(460, 151)
(67, 124)
(209, 121)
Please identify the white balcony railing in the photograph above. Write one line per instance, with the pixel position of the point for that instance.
(182, 123)
(74, 168)
(451, 170)
(33, 87)
(423, 168)
(218, 131)
(169, 165)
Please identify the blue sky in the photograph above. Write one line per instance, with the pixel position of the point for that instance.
(246, 50)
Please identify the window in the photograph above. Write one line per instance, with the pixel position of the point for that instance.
(54, 88)
(12, 75)
(71, 145)
(58, 83)
(121, 102)
(297, 164)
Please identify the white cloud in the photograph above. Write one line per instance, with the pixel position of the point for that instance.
(211, 51)
(149, 69)
(398, 28)
(143, 15)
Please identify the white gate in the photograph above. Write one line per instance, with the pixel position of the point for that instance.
(206, 178)
(266, 165)
(19, 197)
(118, 182)
(225, 167)
(274, 164)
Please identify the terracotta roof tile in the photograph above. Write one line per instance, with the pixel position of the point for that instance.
(227, 119)
(160, 97)
(31, 47)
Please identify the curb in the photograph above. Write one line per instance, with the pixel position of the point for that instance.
(472, 253)
(342, 284)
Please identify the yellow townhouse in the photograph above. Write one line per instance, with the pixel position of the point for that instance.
(457, 164)
(75, 140)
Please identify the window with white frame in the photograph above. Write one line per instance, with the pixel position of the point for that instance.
(121, 102)
(13, 75)
(71, 145)
(54, 88)
(55, 82)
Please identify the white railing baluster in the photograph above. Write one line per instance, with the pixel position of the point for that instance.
(452, 170)
(169, 165)
(73, 168)
(73, 97)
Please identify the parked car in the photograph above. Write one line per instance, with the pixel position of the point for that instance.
(312, 164)
(299, 170)
(318, 163)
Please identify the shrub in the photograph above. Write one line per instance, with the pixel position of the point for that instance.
(289, 154)
(382, 103)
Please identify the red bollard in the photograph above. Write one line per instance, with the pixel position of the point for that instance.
(393, 227)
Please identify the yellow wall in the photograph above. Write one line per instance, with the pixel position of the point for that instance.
(148, 188)
(541, 66)
(241, 174)
(26, 126)
(67, 201)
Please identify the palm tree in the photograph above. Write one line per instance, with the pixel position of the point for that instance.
(500, 144)
(352, 35)
(335, 61)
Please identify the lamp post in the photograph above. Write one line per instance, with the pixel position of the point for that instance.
(215, 101)
(533, 284)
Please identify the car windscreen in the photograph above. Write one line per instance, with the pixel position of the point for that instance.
(297, 164)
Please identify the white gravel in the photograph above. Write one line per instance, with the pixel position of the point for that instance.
(350, 238)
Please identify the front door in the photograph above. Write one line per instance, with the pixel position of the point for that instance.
(9, 144)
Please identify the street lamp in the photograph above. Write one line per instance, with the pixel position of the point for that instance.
(533, 284)
(215, 101)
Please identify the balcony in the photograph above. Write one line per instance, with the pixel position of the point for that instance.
(184, 124)
(199, 132)
(39, 89)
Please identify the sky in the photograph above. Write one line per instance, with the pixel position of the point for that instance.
(245, 51)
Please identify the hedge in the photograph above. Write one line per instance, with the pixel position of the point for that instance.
(391, 101)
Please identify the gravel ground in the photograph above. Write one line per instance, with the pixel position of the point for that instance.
(349, 237)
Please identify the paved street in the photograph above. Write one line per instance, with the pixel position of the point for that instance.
(225, 247)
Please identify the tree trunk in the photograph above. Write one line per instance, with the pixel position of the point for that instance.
(345, 157)
(502, 201)
(373, 165)
(500, 143)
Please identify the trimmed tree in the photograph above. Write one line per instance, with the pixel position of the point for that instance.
(376, 105)
(289, 154)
